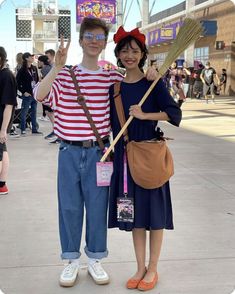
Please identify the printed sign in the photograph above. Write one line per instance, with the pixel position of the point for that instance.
(163, 34)
(104, 9)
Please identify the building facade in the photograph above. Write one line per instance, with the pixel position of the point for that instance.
(43, 23)
(217, 44)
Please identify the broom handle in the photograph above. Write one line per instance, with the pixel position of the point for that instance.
(129, 120)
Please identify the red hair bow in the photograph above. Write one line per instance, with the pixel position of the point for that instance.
(121, 34)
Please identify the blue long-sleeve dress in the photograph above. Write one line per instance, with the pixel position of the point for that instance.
(152, 207)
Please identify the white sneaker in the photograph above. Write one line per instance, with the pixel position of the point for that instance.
(97, 272)
(69, 275)
(13, 134)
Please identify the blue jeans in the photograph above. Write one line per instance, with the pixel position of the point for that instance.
(26, 103)
(77, 189)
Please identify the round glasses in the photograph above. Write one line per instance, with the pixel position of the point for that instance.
(90, 37)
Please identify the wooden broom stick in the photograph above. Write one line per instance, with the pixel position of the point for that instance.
(188, 34)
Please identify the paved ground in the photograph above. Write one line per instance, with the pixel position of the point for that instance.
(198, 257)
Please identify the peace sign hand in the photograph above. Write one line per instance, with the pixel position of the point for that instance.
(61, 54)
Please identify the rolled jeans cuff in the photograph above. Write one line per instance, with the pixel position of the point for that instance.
(96, 255)
(70, 255)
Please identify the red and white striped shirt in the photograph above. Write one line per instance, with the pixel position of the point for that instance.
(70, 120)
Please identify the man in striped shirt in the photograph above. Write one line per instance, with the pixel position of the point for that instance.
(79, 151)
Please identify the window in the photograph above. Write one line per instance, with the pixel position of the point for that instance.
(160, 57)
(201, 54)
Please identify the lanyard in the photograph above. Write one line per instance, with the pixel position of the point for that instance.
(32, 74)
(125, 186)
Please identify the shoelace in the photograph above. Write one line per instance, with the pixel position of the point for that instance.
(98, 268)
(68, 271)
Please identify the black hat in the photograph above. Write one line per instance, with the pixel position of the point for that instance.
(44, 59)
(26, 55)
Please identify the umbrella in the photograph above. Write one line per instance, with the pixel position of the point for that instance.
(106, 64)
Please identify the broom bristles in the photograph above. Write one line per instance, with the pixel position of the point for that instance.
(190, 31)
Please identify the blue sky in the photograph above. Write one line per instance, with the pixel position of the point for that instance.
(8, 34)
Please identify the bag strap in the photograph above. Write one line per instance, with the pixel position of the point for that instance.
(119, 108)
(82, 102)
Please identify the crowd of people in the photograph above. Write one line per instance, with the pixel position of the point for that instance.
(28, 74)
(80, 146)
(197, 82)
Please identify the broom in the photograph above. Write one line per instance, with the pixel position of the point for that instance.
(188, 34)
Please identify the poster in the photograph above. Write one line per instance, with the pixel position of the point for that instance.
(104, 9)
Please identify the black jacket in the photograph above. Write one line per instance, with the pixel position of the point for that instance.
(25, 77)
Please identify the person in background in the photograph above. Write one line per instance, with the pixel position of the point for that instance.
(19, 62)
(223, 81)
(175, 83)
(8, 92)
(27, 78)
(152, 207)
(153, 63)
(50, 53)
(45, 67)
(198, 84)
(208, 77)
(185, 78)
(191, 82)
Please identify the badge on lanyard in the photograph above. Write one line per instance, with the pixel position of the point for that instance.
(125, 209)
(125, 204)
(104, 172)
(33, 84)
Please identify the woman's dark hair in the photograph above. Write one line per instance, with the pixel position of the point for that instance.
(3, 57)
(44, 59)
(127, 41)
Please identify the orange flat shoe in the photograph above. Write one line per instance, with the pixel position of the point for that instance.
(145, 286)
(133, 283)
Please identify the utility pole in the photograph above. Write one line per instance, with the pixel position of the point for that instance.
(119, 13)
(145, 13)
(189, 52)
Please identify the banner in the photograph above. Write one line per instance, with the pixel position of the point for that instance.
(164, 34)
(104, 9)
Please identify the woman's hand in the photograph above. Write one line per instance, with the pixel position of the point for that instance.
(61, 54)
(152, 74)
(136, 111)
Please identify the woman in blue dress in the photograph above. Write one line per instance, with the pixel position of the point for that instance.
(152, 207)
